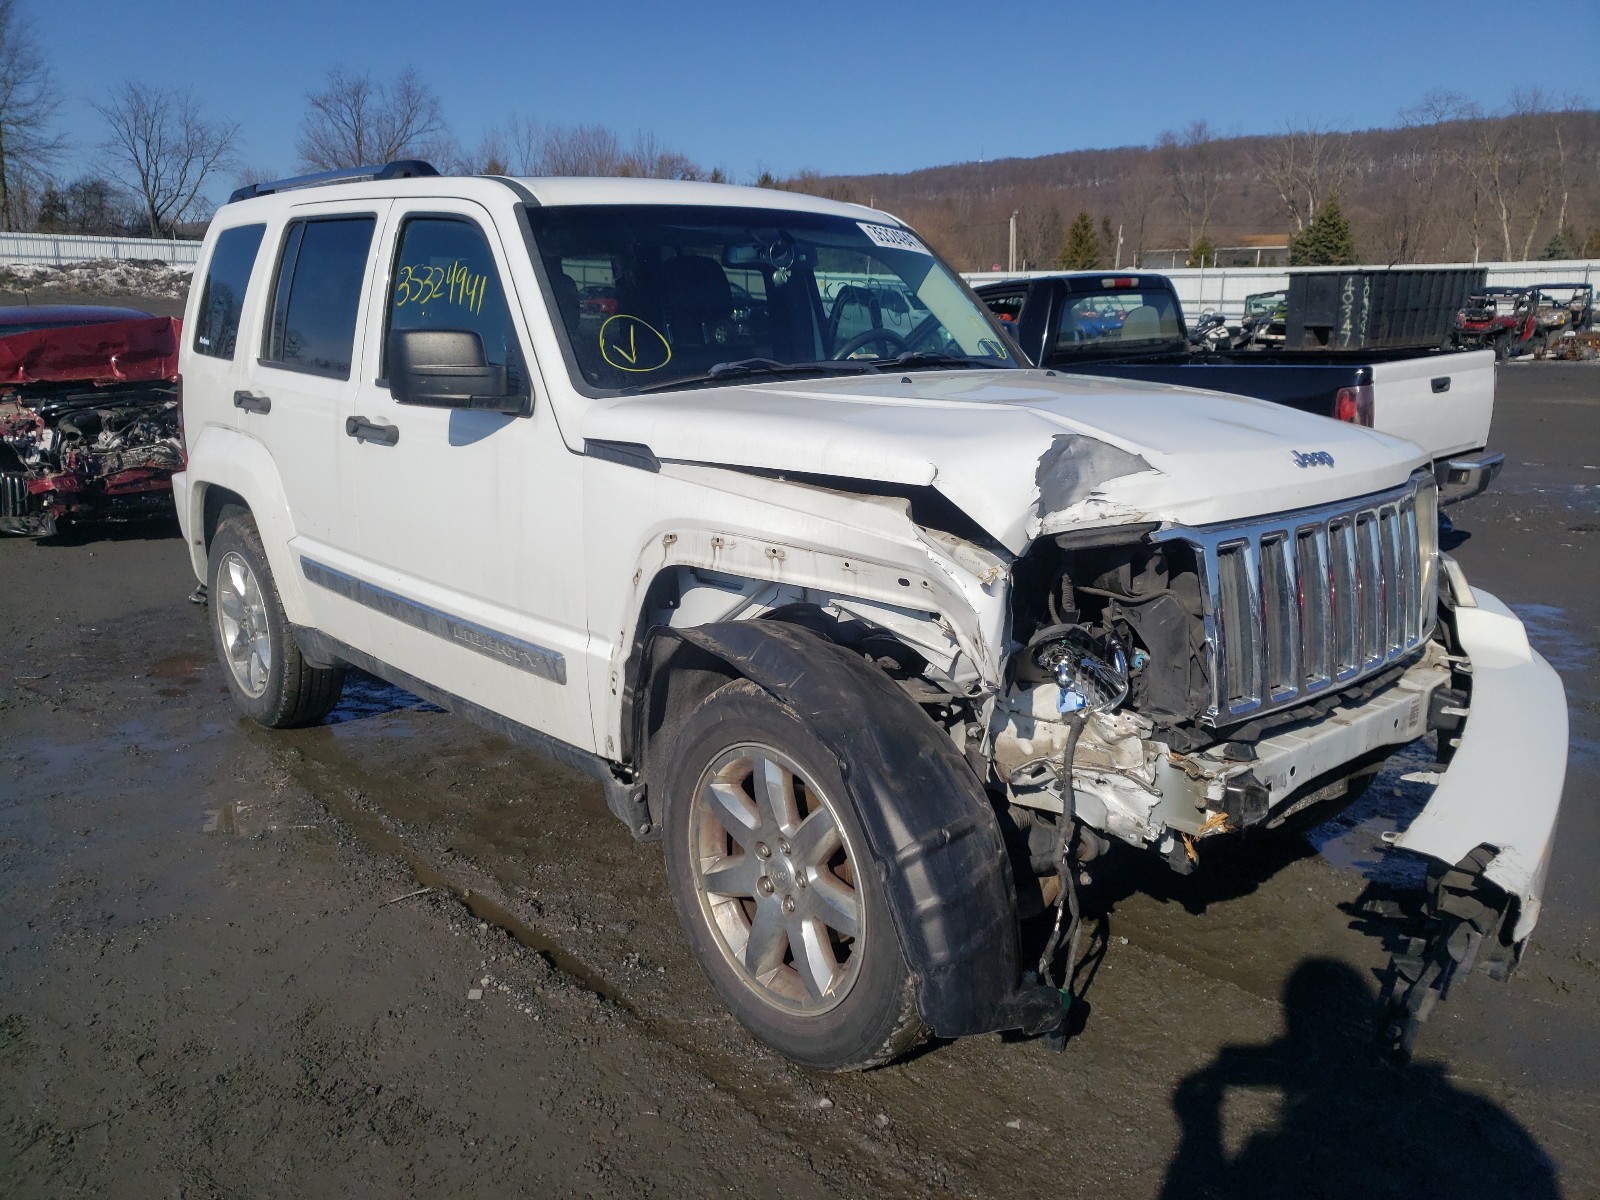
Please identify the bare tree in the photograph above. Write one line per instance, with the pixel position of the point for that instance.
(28, 103)
(1412, 203)
(1530, 170)
(89, 205)
(355, 122)
(165, 151)
(1041, 234)
(1141, 195)
(1194, 171)
(1305, 167)
(580, 150)
(648, 158)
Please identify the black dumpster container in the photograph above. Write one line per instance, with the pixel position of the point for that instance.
(1376, 308)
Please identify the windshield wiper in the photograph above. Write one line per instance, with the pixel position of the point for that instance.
(933, 358)
(746, 368)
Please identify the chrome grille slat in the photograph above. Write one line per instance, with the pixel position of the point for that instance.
(1315, 601)
(1281, 617)
(1309, 601)
(1346, 601)
(1369, 586)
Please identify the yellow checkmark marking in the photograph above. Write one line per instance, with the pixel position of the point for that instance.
(632, 352)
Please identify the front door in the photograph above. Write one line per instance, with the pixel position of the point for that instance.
(471, 529)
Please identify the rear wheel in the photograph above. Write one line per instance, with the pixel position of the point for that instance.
(268, 676)
(769, 872)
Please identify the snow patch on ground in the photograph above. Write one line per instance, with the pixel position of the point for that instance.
(103, 277)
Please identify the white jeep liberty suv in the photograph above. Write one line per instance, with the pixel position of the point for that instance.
(740, 501)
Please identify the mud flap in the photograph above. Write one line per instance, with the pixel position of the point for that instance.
(1491, 822)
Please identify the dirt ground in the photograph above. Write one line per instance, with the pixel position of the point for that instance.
(394, 955)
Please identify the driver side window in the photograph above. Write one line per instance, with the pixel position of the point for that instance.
(445, 277)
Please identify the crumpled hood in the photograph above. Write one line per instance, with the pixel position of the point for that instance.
(1024, 453)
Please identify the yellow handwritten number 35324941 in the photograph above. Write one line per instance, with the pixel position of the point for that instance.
(453, 284)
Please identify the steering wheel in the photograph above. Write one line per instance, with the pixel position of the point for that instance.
(891, 342)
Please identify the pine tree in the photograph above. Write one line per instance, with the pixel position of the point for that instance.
(1082, 249)
(1203, 252)
(1326, 241)
(1559, 246)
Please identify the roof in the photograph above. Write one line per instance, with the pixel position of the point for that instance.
(565, 190)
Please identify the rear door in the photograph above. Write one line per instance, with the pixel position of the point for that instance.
(1442, 402)
(305, 383)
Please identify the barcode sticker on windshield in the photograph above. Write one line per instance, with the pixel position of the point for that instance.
(891, 238)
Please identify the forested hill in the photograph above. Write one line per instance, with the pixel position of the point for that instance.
(1442, 187)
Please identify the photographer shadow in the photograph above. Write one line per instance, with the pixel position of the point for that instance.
(1352, 1121)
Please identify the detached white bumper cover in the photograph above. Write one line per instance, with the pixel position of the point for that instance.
(1503, 788)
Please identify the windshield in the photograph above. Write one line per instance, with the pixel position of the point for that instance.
(655, 295)
(1116, 320)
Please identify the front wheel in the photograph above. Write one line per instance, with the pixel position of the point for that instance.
(770, 875)
(268, 676)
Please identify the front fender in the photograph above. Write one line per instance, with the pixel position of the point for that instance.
(929, 827)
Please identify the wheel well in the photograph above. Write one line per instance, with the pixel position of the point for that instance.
(669, 677)
(217, 501)
(675, 677)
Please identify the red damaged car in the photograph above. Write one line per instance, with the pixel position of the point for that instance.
(88, 415)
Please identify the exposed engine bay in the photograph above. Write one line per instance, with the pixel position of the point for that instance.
(1191, 674)
(89, 423)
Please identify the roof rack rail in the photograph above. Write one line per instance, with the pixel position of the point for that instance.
(404, 168)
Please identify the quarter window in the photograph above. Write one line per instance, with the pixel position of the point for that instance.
(445, 278)
(318, 295)
(217, 325)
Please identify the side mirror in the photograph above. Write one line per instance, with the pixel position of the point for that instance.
(446, 368)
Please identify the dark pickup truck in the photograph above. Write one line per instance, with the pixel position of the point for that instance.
(1131, 326)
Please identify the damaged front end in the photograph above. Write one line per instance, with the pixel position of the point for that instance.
(1270, 666)
(89, 423)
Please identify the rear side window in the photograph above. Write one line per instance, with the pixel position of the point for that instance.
(312, 327)
(445, 278)
(217, 325)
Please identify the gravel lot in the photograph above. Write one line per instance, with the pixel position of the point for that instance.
(394, 955)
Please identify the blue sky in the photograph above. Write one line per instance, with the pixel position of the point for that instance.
(834, 87)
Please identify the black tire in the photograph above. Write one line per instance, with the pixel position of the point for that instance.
(1502, 347)
(274, 684)
(875, 1017)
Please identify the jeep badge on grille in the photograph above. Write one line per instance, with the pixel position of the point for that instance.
(1314, 458)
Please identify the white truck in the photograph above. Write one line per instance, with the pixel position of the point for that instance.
(873, 629)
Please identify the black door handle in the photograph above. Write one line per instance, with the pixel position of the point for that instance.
(1441, 384)
(252, 403)
(364, 430)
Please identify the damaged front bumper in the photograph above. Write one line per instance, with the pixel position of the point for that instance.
(1502, 790)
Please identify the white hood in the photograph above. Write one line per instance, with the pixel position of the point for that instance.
(1024, 452)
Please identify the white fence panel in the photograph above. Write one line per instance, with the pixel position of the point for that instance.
(55, 249)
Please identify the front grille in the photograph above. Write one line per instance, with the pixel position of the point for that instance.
(1304, 602)
(13, 494)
